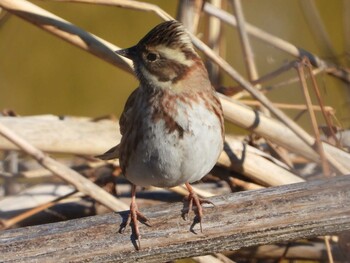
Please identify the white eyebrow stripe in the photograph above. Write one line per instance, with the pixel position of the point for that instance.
(174, 54)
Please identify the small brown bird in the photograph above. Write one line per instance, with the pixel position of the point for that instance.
(172, 124)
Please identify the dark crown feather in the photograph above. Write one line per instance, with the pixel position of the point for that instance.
(170, 33)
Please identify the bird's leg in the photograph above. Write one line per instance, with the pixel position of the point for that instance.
(193, 198)
(135, 215)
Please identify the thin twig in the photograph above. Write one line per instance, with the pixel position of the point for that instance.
(346, 25)
(324, 163)
(135, 5)
(245, 43)
(188, 13)
(318, 28)
(67, 31)
(320, 101)
(16, 219)
(286, 106)
(214, 39)
(328, 248)
(281, 44)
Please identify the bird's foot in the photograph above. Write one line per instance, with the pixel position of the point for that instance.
(134, 217)
(193, 198)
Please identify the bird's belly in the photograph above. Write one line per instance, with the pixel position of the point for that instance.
(166, 158)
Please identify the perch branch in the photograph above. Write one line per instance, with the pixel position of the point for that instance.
(244, 219)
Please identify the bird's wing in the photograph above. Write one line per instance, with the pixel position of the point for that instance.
(112, 153)
(124, 123)
(126, 116)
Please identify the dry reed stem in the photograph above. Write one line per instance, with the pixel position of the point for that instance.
(80, 182)
(245, 185)
(214, 42)
(188, 13)
(287, 106)
(346, 25)
(328, 249)
(319, 147)
(66, 31)
(318, 29)
(334, 70)
(245, 42)
(8, 223)
(135, 5)
(320, 101)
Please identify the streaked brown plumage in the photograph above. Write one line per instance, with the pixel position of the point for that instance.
(172, 124)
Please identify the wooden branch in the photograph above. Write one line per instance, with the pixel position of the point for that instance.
(238, 220)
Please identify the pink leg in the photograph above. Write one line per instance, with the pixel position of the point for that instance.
(135, 215)
(193, 198)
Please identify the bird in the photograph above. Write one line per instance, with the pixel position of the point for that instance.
(172, 125)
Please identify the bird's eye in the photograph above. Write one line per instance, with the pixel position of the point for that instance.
(151, 57)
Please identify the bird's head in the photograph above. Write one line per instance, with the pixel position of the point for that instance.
(164, 56)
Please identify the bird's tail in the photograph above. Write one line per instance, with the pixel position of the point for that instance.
(112, 153)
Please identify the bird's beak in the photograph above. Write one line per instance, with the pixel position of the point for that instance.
(129, 53)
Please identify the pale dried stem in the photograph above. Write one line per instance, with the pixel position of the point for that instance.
(324, 163)
(135, 5)
(8, 223)
(188, 13)
(327, 109)
(279, 71)
(247, 51)
(279, 43)
(245, 42)
(182, 190)
(328, 248)
(318, 29)
(245, 185)
(214, 41)
(290, 81)
(66, 31)
(275, 131)
(320, 101)
(11, 168)
(255, 164)
(80, 182)
(346, 25)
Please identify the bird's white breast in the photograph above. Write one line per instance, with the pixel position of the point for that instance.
(167, 159)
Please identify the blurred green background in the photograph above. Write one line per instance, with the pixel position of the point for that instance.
(41, 74)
